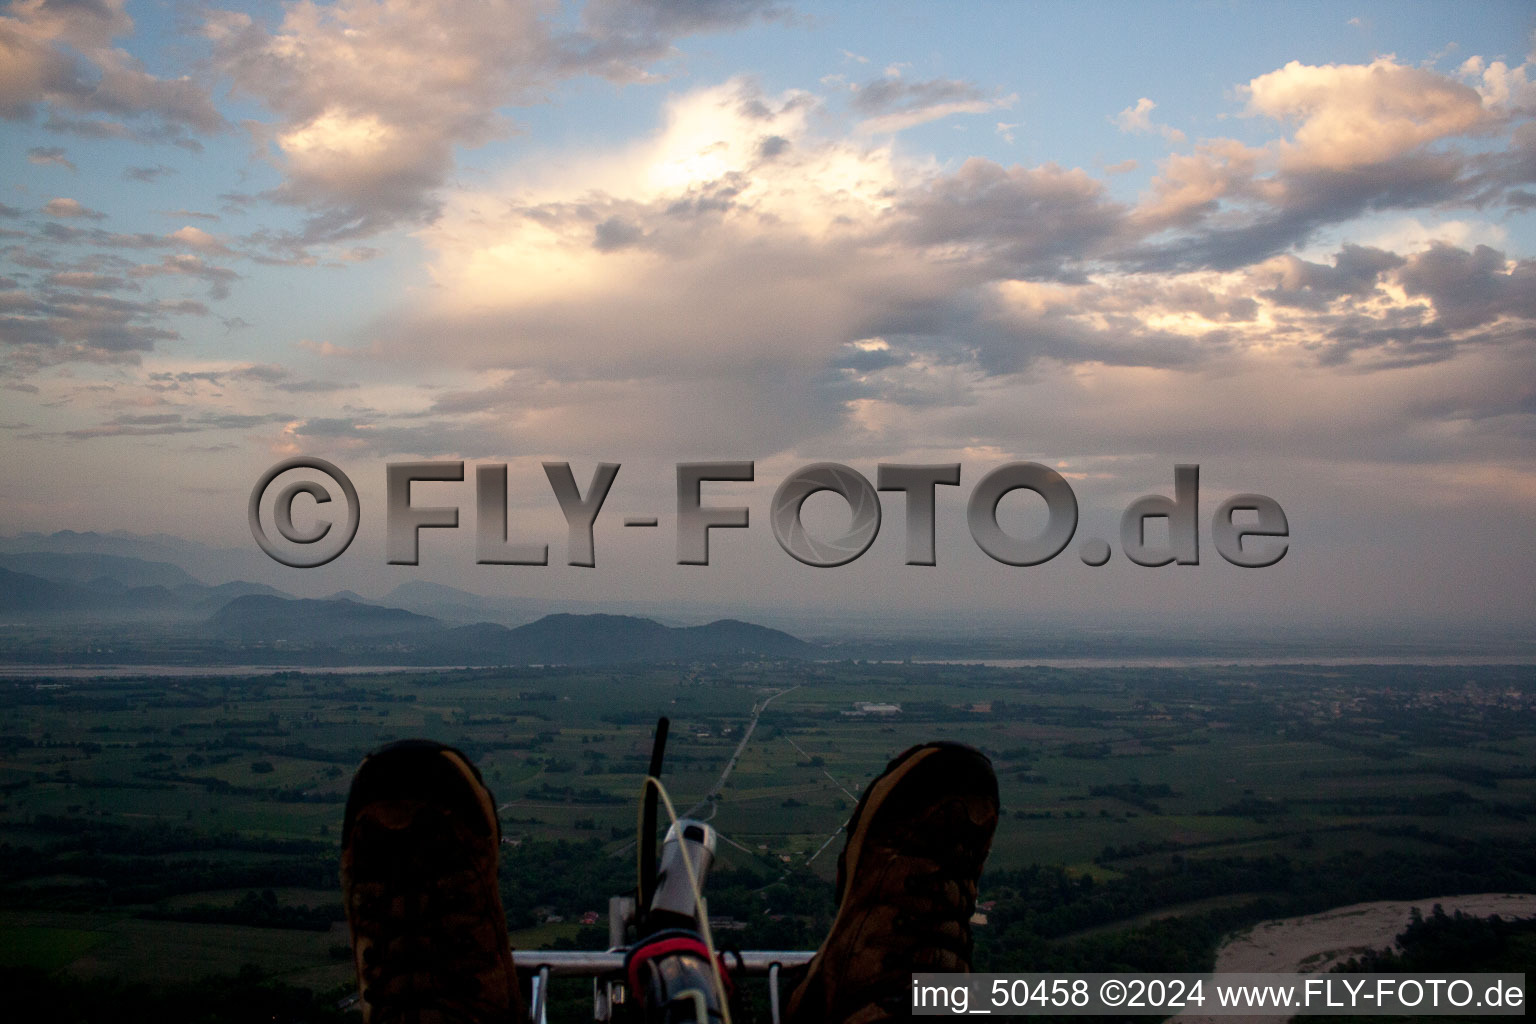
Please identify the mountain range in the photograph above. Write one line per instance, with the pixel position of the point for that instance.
(559, 639)
(92, 605)
(38, 587)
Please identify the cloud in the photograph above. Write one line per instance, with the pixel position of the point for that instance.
(261, 375)
(165, 424)
(147, 174)
(1471, 289)
(1035, 222)
(99, 307)
(1137, 120)
(1368, 139)
(574, 289)
(197, 238)
(133, 426)
(281, 378)
(189, 214)
(61, 56)
(704, 189)
(190, 265)
(893, 104)
(617, 38)
(86, 281)
(71, 208)
(44, 155)
(1355, 273)
(328, 350)
(1503, 88)
(762, 267)
(65, 234)
(616, 251)
(1356, 115)
(363, 151)
(63, 322)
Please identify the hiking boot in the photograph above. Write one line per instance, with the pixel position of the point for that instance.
(418, 876)
(906, 886)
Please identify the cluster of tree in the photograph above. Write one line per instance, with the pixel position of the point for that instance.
(1454, 942)
(125, 866)
(568, 877)
(1049, 902)
(84, 834)
(572, 795)
(245, 998)
(260, 910)
(1137, 794)
(1039, 909)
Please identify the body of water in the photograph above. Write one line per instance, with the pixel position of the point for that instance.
(1217, 661)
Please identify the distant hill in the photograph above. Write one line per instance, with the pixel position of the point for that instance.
(570, 639)
(454, 605)
(239, 588)
(158, 547)
(264, 618)
(246, 565)
(91, 567)
(447, 603)
(377, 633)
(200, 560)
(597, 639)
(57, 587)
(575, 639)
(734, 636)
(23, 594)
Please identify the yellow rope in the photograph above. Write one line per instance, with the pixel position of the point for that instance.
(700, 907)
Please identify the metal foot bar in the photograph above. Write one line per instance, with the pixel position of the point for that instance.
(580, 963)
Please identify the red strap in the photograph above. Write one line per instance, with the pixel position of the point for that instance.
(665, 947)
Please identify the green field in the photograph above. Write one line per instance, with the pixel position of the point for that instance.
(168, 828)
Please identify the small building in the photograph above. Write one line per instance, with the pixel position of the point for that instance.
(870, 707)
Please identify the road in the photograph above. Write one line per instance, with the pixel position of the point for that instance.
(746, 737)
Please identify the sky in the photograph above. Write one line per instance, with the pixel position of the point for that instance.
(1290, 244)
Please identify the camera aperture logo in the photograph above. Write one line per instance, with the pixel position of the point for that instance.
(1248, 530)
